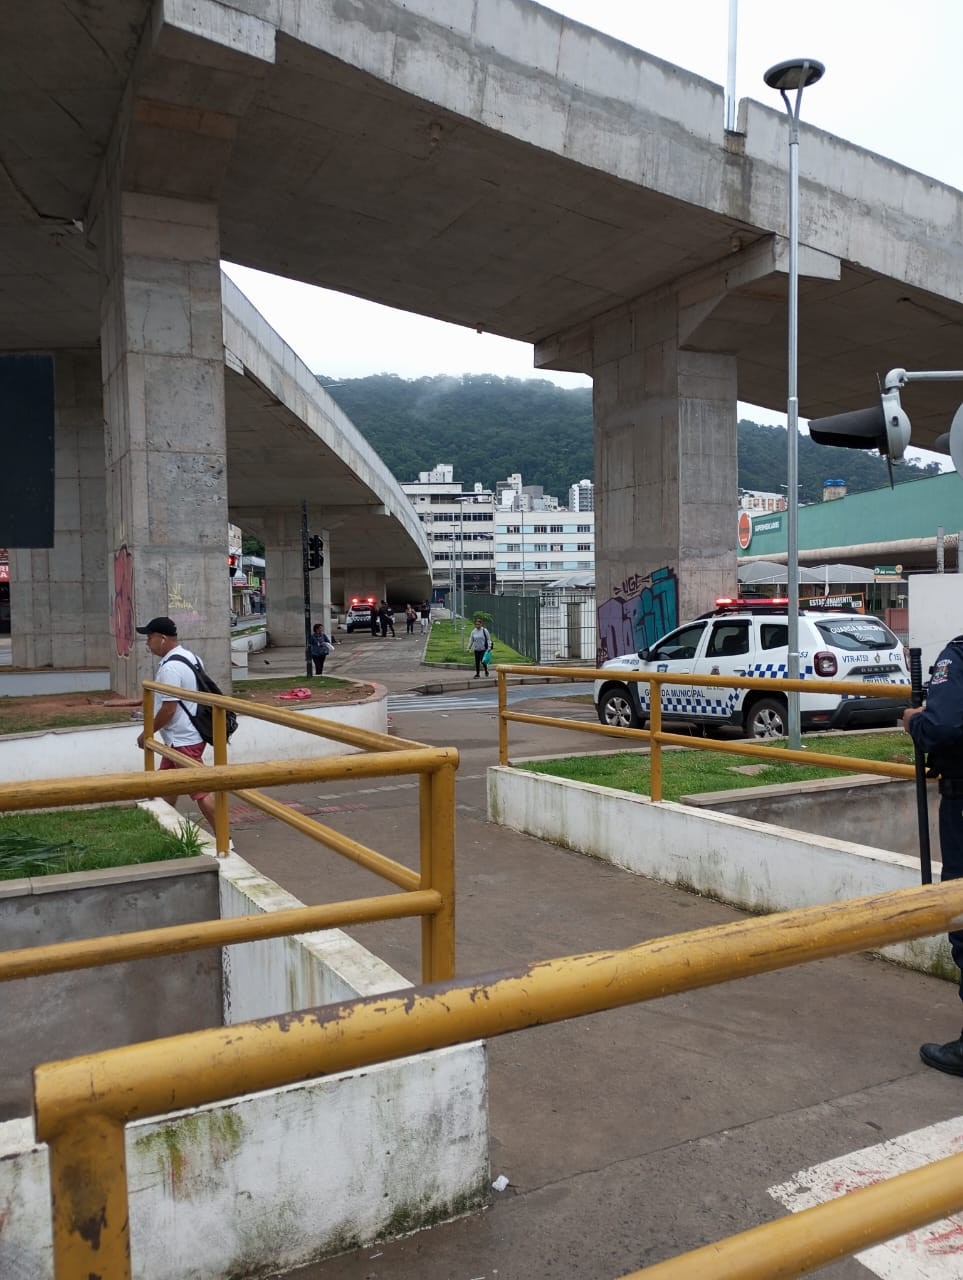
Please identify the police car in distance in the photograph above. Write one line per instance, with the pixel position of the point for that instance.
(750, 638)
(359, 613)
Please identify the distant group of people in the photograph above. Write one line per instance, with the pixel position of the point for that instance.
(417, 613)
(383, 618)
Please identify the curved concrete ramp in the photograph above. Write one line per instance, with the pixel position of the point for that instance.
(287, 440)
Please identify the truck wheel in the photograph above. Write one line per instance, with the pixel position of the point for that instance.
(767, 719)
(616, 708)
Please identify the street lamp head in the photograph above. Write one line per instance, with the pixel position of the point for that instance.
(797, 73)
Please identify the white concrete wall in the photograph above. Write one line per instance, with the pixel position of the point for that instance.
(274, 1180)
(97, 749)
(750, 864)
(935, 610)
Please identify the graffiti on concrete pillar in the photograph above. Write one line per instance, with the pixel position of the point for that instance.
(123, 608)
(640, 610)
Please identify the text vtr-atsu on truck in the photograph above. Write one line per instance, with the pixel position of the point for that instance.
(750, 638)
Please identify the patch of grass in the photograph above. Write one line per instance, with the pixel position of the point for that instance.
(445, 644)
(46, 711)
(247, 689)
(686, 772)
(38, 844)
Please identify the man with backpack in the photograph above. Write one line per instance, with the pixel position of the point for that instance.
(173, 722)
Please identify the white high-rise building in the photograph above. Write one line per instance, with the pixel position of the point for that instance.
(520, 541)
(581, 496)
(460, 527)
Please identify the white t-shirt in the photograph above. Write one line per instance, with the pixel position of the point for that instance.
(178, 732)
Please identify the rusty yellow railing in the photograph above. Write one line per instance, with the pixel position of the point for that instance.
(364, 739)
(658, 738)
(428, 893)
(82, 1105)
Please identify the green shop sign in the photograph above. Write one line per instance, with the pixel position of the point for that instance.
(766, 526)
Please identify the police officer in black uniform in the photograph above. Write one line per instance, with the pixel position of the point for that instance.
(937, 729)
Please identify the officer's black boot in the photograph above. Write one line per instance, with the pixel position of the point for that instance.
(944, 1057)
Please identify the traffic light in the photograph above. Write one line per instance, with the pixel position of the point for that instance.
(884, 427)
(231, 566)
(315, 551)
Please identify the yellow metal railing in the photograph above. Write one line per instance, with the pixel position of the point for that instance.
(220, 704)
(82, 1105)
(428, 893)
(658, 738)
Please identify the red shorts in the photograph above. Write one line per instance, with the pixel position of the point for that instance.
(195, 750)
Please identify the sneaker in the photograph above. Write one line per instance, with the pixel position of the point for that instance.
(475, 676)
(944, 1057)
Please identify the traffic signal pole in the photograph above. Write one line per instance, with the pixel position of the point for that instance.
(306, 580)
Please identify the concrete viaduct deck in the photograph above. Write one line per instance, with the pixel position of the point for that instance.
(486, 162)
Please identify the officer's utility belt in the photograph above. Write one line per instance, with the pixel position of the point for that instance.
(951, 787)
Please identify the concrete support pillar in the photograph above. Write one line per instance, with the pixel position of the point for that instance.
(59, 596)
(321, 591)
(163, 374)
(280, 531)
(665, 473)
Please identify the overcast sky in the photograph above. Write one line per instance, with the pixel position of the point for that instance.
(891, 85)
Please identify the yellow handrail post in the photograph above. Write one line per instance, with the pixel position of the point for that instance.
(502, 722)
(655, 728)
(222, 820)
(425, 829)
(149, 759)
(442, 922)
(88, 1188)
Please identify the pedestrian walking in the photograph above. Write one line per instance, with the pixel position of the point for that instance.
(172, 715)
(410, 616)
(479, 642)
(321, 645)
(937, 728)
(424, 614)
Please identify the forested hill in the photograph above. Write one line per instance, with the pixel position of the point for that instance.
(488, 427)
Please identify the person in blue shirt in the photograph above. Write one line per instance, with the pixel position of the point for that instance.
(937, 728)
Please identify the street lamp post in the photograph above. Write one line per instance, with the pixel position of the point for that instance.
(522, 527)
(461, 547)
(786, 77)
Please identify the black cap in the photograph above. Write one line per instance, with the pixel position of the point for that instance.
(158, 626)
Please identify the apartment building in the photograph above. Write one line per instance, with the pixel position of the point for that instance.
(461, 529)
(534, 548)
(581, 496)
(515, 539)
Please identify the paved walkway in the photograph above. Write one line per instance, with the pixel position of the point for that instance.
(629, 1136)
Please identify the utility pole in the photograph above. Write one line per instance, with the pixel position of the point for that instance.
(461, 540)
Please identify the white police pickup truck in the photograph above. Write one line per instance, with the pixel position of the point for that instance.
(750, 638)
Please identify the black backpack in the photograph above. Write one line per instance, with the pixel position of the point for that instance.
(203, 718)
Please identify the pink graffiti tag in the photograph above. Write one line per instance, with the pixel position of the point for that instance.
(123, 609)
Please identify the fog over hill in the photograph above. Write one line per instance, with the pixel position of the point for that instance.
(488, 427)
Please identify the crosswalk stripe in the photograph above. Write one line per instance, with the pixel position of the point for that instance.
(447, 702)
(934, 1252)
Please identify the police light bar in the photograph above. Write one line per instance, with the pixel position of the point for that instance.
(749, 602)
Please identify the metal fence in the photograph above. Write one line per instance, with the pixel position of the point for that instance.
(546, 626)
(515, 619)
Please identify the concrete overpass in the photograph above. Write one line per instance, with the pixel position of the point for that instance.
(285, 437)
(486, 162)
